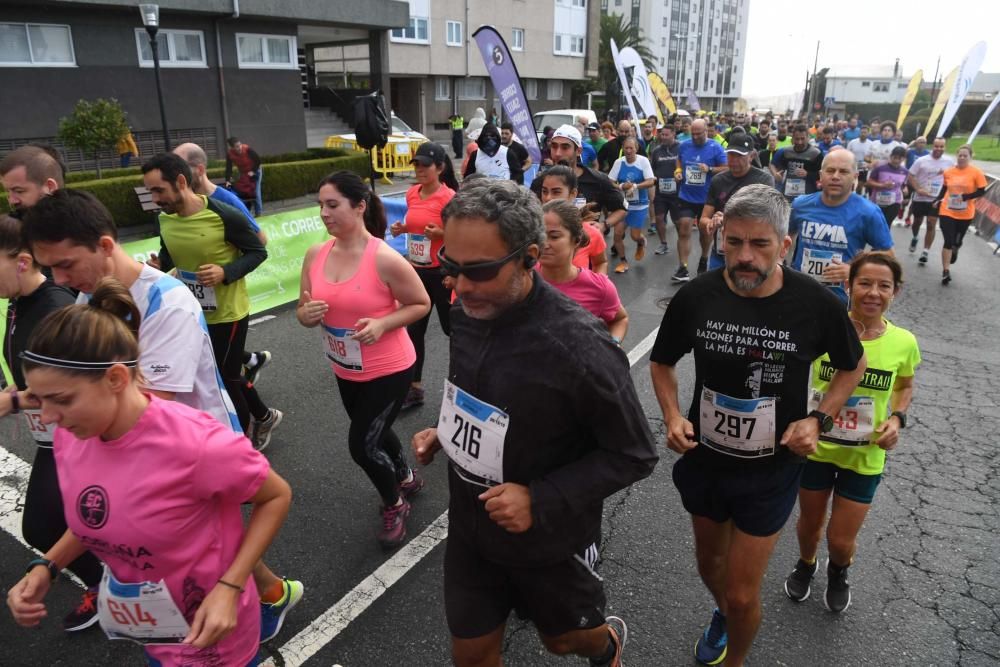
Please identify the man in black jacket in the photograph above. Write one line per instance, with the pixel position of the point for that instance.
(541, 422)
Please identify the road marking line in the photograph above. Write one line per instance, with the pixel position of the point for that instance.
(262, 318)
(334, 620)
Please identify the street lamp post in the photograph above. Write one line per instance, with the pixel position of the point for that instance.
(151, 20)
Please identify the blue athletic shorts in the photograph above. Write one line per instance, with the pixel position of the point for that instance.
(637, 217)
(820, 476)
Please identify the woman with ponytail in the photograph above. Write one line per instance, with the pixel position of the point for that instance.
(153, 488)
(363, 294)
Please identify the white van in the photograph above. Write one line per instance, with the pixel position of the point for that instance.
(556, 117)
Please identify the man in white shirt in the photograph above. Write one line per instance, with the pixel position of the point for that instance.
(859, 146)
(925, 180)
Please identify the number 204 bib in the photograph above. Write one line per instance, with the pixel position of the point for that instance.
(741, 427)
(472, 434)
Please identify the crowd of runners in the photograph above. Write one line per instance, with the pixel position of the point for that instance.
(802, 383)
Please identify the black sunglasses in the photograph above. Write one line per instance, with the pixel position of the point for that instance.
(478, 272)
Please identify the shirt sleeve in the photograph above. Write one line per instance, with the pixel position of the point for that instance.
(615, 168)
(611, 301)
(673, 340)
(794, 222)
(597, 244)
(647, 169)
(720, 156)
(239, 234)
(229, 468)
(778, 160)
(877, 233)
(166, 331)
(980, 180)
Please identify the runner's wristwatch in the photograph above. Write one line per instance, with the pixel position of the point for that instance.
(825, 421)
(901, 416)
(49, 565)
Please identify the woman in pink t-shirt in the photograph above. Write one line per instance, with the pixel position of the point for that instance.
(595, 292)
(364, 294)
(153, 488)
(435, 187)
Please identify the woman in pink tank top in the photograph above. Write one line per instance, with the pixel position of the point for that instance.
(362, 294)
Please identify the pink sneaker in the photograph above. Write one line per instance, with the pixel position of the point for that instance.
(393, 530)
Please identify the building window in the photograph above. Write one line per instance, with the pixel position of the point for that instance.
(442, 88)
(417, 32)
(880, 87)
(664, 21)
(663, 41)
(266, 51)
(578, 3)
(661, 62)
(567, 45)
(604, 5)
(178, 48)
(36, 45)
(902, 85)
(517, 39)
(471, 88)
(454, 36)
(554, 89)
(866, 84)
(618, 3)
(530, 88)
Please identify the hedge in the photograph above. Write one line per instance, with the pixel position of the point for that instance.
(284, 180)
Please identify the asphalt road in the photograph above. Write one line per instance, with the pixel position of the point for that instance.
(926, 581)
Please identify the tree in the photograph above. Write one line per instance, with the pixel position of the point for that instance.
(94, 127)
(616, 27)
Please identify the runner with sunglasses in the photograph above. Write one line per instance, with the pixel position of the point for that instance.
(364, 294)
(528, 479)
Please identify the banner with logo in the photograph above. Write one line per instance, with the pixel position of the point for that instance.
(639, 86)
(967, 72)
(942, 97)
(507, 83)
(911, 94)
(982, 119)
(620, 68)
(661, 91)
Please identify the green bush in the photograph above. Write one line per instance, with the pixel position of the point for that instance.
(285, 180)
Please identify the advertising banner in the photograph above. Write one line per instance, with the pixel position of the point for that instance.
(982, 120)
(911, 93)
(942, 97)
(507, 83)
(661, 91)
(639, 86)
(616, 56)
(967, 72)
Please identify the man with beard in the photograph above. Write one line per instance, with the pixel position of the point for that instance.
(492, 158)
(835, 224)
(29, 173)
(527, 479)
(755, 328)
(613, 150)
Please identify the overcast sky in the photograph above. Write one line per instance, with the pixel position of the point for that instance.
(781, 42)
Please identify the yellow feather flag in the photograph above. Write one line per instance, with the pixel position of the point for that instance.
(911, 93)
(661, 91)
(941, 100)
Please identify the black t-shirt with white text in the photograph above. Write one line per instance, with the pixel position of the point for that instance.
(663, 160)
(751, 352)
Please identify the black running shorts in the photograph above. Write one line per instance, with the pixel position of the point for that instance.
(479, 594)
(923, 209)
(758, 498)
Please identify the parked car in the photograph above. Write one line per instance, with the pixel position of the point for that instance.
(556, 117)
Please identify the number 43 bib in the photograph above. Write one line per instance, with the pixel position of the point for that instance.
(741, 427)
(472, 434)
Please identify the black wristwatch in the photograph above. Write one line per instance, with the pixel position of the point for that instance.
(825, 421)
(901, 416)
(49, 565)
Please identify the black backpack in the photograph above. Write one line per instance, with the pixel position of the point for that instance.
(371, 124)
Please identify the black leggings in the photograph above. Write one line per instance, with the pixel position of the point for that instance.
(228, 341)
(44, 522)
(953, 231)
(890, 213)
(440, 301)
(372, 407)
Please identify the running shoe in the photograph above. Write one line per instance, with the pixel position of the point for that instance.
(393, 530)
(797, 585)
(252, 373)
(272, 616)
(619, 636)
(681, 275)
(913, 244)
(640, 251)
(838, 592)
(85, 614)
(711, 646)
(621, 267)
(954, 254)
(702, 265)
(651, 230)
(923, 258)
(663, 249)
(945, 277)
(614, 251)
(260, 430)
(411, 488)
(414, 398)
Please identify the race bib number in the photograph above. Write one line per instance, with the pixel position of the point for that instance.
(741, 427)
(667, 186)
(854, 424)
(341, 349)
(814, 262)
(862, 166)
(144, 613)
(885, 197)
(795, 187)
(719, 248)
(956, 203)
(472, 434)
(419, 248)
(694, 175)
(632, 194)
(205, 295)
(42, 433)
